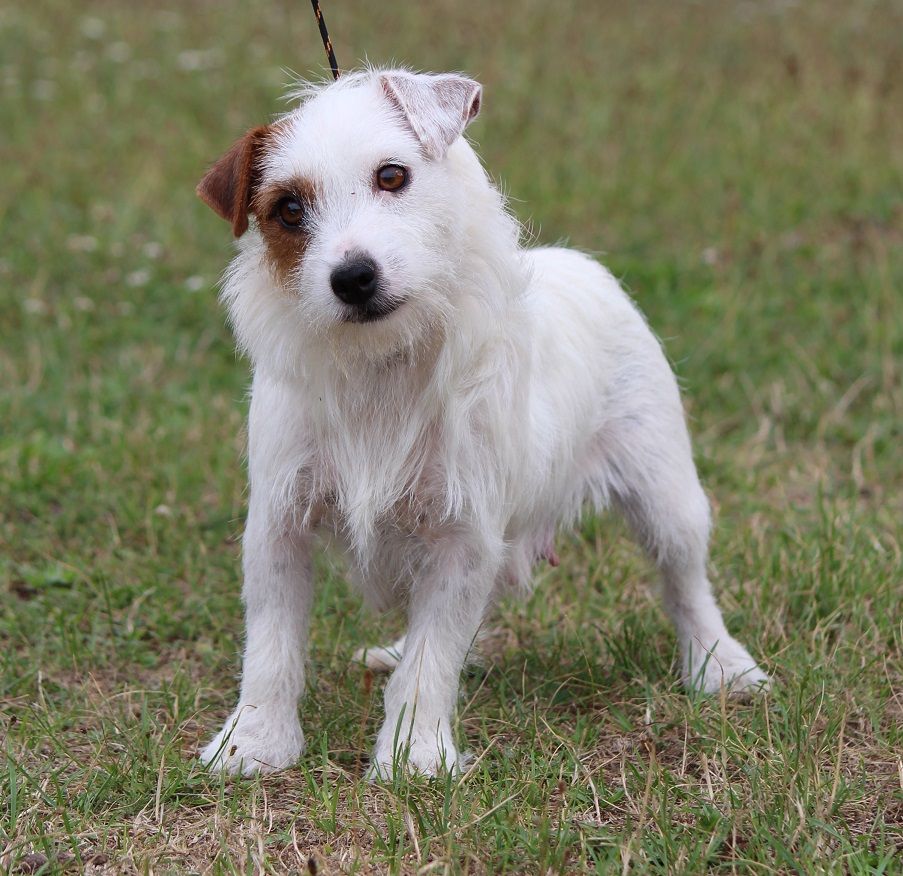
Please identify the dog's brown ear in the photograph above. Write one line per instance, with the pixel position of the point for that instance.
(227, 188)
(436, 107)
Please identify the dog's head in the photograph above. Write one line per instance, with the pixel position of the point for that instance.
(358, 201)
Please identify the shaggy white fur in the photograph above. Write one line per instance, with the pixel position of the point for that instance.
(492, 395)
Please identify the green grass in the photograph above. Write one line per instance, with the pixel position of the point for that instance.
(740, 166)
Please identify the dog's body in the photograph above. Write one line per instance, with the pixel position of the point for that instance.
(436, 399)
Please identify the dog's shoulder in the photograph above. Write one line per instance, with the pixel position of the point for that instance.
(558, 271)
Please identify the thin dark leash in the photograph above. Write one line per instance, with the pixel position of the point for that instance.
(327, 42)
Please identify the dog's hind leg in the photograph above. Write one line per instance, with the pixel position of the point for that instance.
(655, 485)
(381, 658)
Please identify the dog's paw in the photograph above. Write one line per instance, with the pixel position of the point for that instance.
(423, 760)
(419, 756)
(255, 741)
(381, 659)
(725, 664)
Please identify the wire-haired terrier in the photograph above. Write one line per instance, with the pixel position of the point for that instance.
(436, 399)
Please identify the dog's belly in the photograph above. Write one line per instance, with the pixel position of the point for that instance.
(384, 566)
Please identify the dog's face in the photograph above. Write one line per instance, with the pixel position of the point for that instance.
(356, 197)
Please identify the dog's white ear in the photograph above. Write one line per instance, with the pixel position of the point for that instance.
(227, 188)
(436, 107)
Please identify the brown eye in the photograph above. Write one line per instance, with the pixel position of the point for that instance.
(391, 177)
(290, 212)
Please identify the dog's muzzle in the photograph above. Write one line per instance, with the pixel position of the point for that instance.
(356, 282)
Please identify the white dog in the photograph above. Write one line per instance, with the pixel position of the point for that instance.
(436, 399)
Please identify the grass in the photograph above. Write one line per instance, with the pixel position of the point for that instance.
(740, 166)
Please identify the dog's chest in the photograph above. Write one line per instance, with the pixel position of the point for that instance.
(414, 514)
(348, 491)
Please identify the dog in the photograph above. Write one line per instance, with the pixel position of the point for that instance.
(434, 398)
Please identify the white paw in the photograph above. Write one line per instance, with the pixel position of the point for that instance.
(255, 740)
(381, 659)
(725, 663)
(428, 755)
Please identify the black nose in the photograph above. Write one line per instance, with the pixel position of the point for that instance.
(355, 280)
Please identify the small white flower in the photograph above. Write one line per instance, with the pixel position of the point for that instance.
(93, 28)
(199, 59)
(81, 243)
(119, 52)
(138, 278)
(43, 89)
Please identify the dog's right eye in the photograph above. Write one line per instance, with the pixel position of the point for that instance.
(290, 212)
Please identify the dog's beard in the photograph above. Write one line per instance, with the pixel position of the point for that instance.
(402, 339)
(372, 312)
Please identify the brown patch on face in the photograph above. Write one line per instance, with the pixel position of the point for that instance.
(285, 246)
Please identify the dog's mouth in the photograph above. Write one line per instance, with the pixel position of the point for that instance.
(371, 312)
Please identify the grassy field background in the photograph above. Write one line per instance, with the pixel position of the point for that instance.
(740, 166)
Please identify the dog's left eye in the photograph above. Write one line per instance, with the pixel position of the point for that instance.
(290, 212)
(391, 177)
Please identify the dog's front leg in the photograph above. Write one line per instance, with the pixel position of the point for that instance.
(448, 600)
(263, 734)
